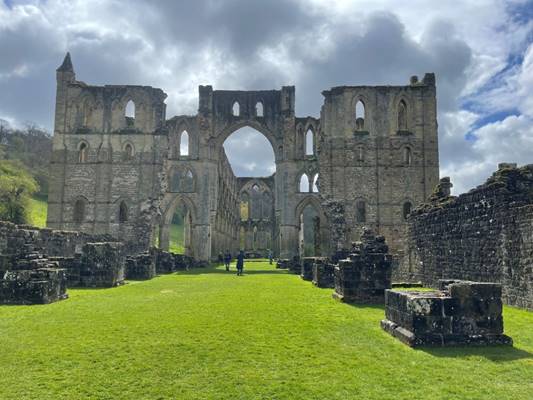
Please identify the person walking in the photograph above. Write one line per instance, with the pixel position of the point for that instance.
(227, 259)
(270, 256)
(240, 263)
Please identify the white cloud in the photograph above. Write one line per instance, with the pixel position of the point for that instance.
(314, 44)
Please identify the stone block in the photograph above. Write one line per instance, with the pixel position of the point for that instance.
(102, 265)
(466, 313)
(38, 286)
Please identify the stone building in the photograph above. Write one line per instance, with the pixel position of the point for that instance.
(120, 167)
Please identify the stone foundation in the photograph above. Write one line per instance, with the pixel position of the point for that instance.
(365, 275)
(141, 266)
(306, 270)
(464, 313)
(323, 273)
(102, 265)
(37, 286)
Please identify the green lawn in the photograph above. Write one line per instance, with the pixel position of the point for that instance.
(208, 334)
(176, 239)
(37, 212)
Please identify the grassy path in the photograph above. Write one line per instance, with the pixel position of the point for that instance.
(208, 334)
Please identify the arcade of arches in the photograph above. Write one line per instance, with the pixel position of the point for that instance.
(120, 166)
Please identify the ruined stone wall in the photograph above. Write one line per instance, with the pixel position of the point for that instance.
(226, 220)
(127, 175)
(375, 165)
(54, 243)
(106, 169)
(484, 235)
(257, 216)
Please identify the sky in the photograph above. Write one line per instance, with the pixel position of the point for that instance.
(480, 51)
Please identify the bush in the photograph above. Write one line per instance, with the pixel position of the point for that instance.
(16, 188)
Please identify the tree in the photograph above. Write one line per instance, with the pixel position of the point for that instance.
(16, 188)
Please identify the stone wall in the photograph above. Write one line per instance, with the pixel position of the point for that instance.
(484, 235)
(126, 175)
(461, 313)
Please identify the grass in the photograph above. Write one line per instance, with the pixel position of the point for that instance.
(208, 334)
(176, 239)
(38, 208)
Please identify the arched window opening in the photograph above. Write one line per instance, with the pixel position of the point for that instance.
(255, 238)
(360, 115)
(259, 109)
(236, 109)
(175, 182)
(188, 182)
(407, 156)
(83, 153)
(86, 113)
(122, 212)
(128, 152)
(184, 143)
(130, 114)
(245, 207)
(309, 143)
(309, 236)
(360, 211)
(304, 184)
(180, 232)
(360, 153)
(315, 184)
(402, 116)
(256, 202)
(79, 211)
(406, 209)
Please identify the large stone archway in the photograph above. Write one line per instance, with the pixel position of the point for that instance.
(363, 174)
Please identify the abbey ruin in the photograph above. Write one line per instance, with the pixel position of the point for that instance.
(367, 161)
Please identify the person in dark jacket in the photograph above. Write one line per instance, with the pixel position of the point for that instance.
(227, 259)
(240, 262)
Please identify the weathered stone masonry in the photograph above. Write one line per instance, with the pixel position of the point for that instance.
(126, 175)
(484, 235)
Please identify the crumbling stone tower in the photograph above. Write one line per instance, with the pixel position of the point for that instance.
(120, 167)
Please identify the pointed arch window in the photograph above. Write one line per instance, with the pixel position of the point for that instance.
(175, 181)
(407, 156)
(360, 211)
(79, 211)
(184, 143)
(309, 143)
(360, 115)
(236, 109)
(129, 114)
(259, 112)
(315, 184)
(83, 152)
(360, 153)
(188, 182)
(402, 115)
(304, 184)
(245, 207)
(128, 152)
(122, 212)
(407, 206)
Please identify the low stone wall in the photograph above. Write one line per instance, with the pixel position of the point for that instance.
(141, 266)
(323, 273)
(365, 275)
(463, 313)
(48, 241)
(484, 235)
(102, 265)
(306, 270)
(37, 286)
